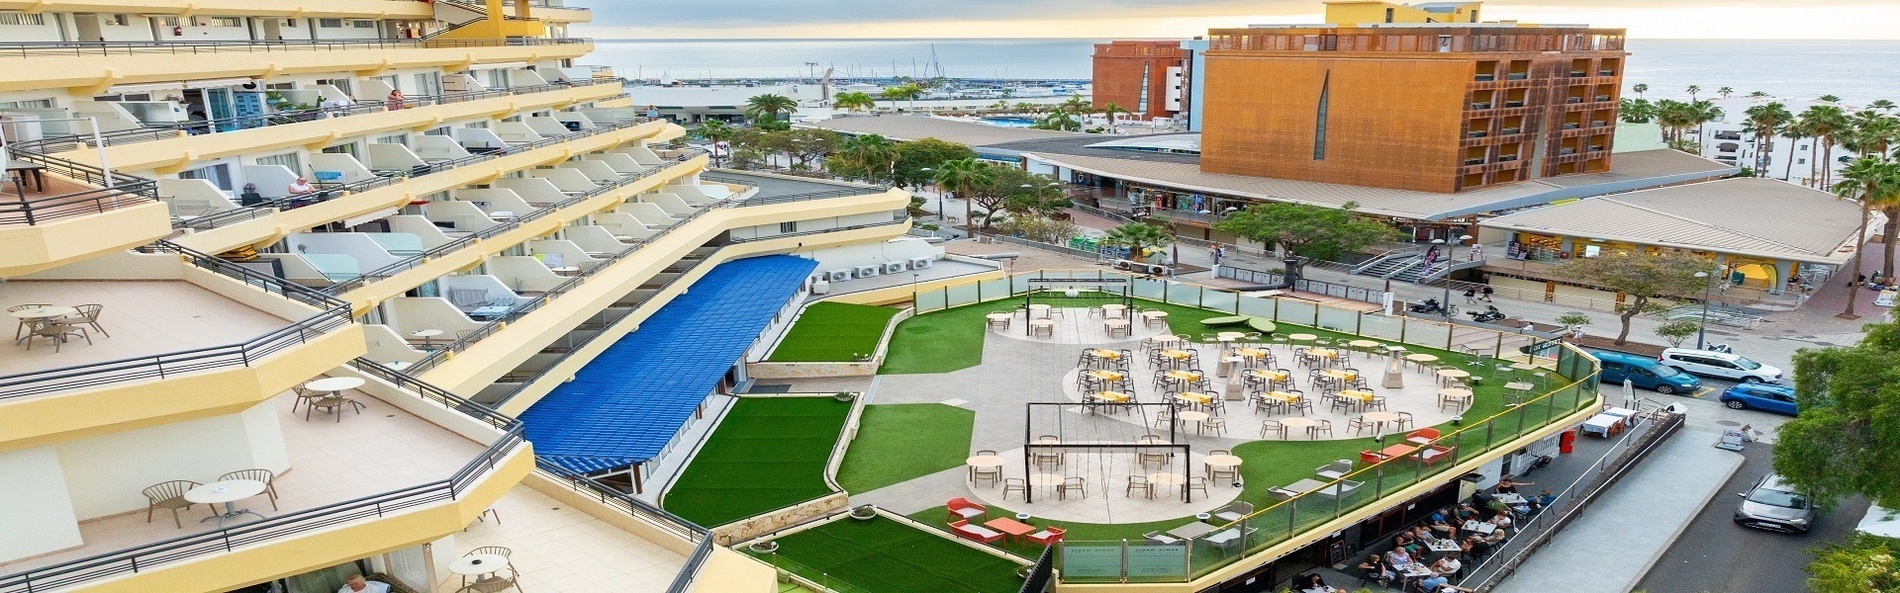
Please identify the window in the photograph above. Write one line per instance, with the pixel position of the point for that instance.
(788, 227)
(166, 21)
(21, 18)
(442, 131)
(288, 160)
(363, 24)
(117, 20)
(1319, 126)
(290, 22)
(330, 23)
(219, 175)
(391, 139)
(31, 104)
(223, 21)
(1388, 15)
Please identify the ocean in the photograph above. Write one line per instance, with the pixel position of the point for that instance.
(1857, 71)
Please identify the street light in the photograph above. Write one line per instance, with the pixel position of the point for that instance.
(1702, 325)
(1444, 305)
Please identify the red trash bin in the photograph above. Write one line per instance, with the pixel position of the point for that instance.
(1567, 442)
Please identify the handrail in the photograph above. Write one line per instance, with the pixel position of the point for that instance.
(143, 558)
(821, 231)
(674, 524)
(255, 211)
(34, 211)
(26, 49)
(796, 197)
(426, 391)
(335, 314)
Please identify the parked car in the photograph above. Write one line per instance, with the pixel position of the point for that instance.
(1646, 373)
(1720, 364)
(1775, 505)
(1761, 396)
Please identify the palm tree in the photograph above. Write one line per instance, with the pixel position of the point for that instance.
(768, 106)
(907, 92)
(871, 152)
(1766, 122)
(1077, 104)
(1703, 112)
(1870, 181)
(1674, 117)
(716, 132)
(1109, 111)
(1883, 105)
(1758, 95)
(1830, 98)
(1873, 133)
(1636, 111)
(1693, 89)
(1826, 124)
(854, 101)
(1640, 89)
(1725, 91)
(964, 175)
(1135, 236)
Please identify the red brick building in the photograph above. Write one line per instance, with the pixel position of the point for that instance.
(1144, 77)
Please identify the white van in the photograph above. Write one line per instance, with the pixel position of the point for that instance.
(1719, 364)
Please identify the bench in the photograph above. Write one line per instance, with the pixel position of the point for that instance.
(977, 533)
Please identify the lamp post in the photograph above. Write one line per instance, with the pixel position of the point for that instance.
(1444, 305)
(1702, 325)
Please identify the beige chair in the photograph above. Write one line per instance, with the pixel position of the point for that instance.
(1138, 482)
(492, 581)
(19, 333)
(491, 585)
(168, 495)
(88, 316)
(332, 404)
(262, 475)
(47, 328)
(1015, 485)
(1075, 484)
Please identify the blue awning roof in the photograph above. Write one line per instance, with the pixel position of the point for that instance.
(623, 407)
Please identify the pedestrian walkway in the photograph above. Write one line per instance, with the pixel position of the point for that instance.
(1609, 547)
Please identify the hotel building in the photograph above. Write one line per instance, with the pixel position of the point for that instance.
(337, 249)
(1146, 78)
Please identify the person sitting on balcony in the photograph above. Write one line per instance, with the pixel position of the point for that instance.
(357, 584)
(300, 187)
(395, 100)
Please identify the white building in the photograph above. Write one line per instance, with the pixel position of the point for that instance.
(1789, 159)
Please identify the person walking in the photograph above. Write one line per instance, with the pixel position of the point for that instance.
(1471, 296)
(1487, 292)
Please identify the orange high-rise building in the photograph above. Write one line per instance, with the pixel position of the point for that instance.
(1143, 77)
(1418, 106)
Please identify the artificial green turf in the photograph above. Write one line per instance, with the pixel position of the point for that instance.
(882, 555)
(938, 342)
(898, 442)
(768, 453)
(834, 332)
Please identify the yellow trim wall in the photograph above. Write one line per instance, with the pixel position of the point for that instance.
(331, 546)
(27, 249)
(93, 74)
(400, 9)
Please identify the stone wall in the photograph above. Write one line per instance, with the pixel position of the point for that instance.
(755, 526)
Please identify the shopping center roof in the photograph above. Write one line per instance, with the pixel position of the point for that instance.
(1743, 216)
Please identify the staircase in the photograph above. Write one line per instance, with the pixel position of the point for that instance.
(1391, 264)
(1416, 273)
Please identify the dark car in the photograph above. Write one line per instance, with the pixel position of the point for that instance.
(1761, 396)
(1645, 373)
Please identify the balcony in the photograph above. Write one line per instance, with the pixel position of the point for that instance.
(329, 8)
(55, 221)
(547, 533)
(1518, 76)
(1474, 161)
(1606, 73)
(1485, 77)
(1513, 104)
(1578, 74)
(1480, 106)
(381, 479)
(92, 65)
(1510, 131)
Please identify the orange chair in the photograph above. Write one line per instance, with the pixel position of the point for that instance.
(963, 509)
(977, 533)
(1434, 454)
(1423, 436)
(1048, 536)
(1370, 457)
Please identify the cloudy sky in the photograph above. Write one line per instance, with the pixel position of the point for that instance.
(1719, 19)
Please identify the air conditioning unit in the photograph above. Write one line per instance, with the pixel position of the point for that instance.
(867, 271)
(922, 263)
(838, 275)
(895, 267)
(820, 287)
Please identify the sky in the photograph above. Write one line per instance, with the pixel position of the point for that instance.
(1653, 19)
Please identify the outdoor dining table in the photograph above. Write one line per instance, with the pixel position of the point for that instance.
(1421, 359)
(1302, 337)
(1449, 376)
(1379, 419)
(1150, 318)
(227, 492)
(1167, 479)
(478, 565)
(1104, 354)
(1176, 356)
(48, 312)
(1114, 326)
(1358, 395)
(1045, 480)
(1510, 498)
(999, 319)
(1192, 398)
(1364, 344)
(1300, 422)
(1192, 530)
(1105, 375)
(1115, 397)
(1339, 374)
(1198, 418)
(1484, 528)
(1114, 311)
(1039, 311)
(1252, 352)
(1454, 394)
(1015, 529)
(1182, 379)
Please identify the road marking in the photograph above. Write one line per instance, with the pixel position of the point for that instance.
(1704, 391)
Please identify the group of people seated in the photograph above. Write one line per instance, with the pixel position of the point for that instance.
(1414, 544)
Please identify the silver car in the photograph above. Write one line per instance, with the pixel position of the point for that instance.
(1774, 504)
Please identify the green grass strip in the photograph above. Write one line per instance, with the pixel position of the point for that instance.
(885, 556)
(834, 332)
(898, 442)
(768, 453)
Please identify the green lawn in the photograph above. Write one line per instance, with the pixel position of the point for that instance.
(882, 555)
(897, 442)
(952, 339)
(834, 332)
(768, 453)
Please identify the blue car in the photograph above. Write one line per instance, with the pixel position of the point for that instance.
(1645, 373)
(1761, 396)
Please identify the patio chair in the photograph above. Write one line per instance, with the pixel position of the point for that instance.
(1049, 536)
(502, 551)
(1357, 424)
(1137, 482)
(1335, 470)
(19, 333)
(88, 316)
(1405, 421)
(1272, 426)
(993, 474)
(1325, 426)
(1160, 538)
(268, 477)
(1016, 485)
(1072, 483)
(962, 508)
(332, 404)
(1216, 424)
(1234, 511)
(1371, 457)
(1197, 483)
(168, 495)
(1340, 489)
(47, 328)
(977, 533)
(1377, 403)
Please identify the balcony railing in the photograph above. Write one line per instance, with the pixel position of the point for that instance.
(157, 556)
(1480, 106)
(35, 211)
(237, 215)
(1518, 76)
(1485, 78)
(27, 49)
(633, 507)
(335, 314)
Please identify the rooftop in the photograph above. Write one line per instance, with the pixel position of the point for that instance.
(1748, 216)
(382, 449)
(775, 186)
(915, 127)
(144, 318)
(563, 550)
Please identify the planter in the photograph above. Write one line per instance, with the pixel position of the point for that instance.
(864, 512)
(764, 547)
(843, 396)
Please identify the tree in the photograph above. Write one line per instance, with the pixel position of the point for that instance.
(807, 146)
(1573, 320)
(868, 157)
(1827, 124)
(716, 132)
(1883, 105)
(1874, 133)
(1137, 236)
(1640, 89)
(1638, 278)
(1725, 91)
(1874, 183)
(1636, 111)
(1830, 98)
(906, 92)
(1758, 95)
(1842, 443)
(1693, 89)
(1676, 331)
(1059, 120)
(915, 156)
(964, 175)
(768, 106)
(1765, 122)
(1313, 232)
(1109, 112)
(853, 101)
(1867, 563)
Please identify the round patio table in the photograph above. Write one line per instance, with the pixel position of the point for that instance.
(44, 312)
(1378, 419)
(1449, 375)
(1192, 416)
(1302, 337)
(1222, 460)
(1036, 311)
(1114, 310)
(332, 385)
(1300, 422)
